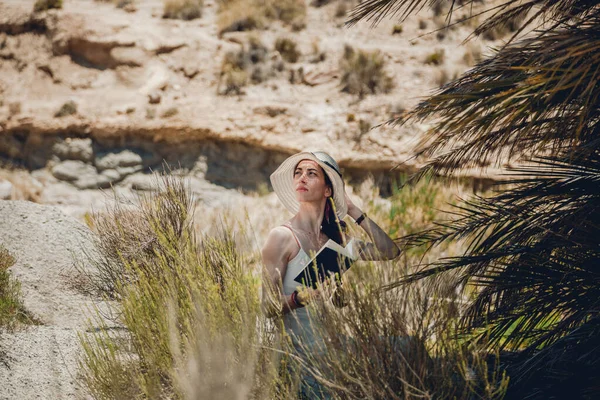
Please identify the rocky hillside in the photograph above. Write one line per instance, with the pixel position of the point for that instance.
(93, 95)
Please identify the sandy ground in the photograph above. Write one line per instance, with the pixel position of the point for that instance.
(41, 360)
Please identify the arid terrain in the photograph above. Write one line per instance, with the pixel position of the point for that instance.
(94, 97)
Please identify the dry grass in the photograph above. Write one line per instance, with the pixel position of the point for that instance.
(245, 15)
(288, 49)
(248, 65)
(183, 9)
(12, 310)
(43, 5)
(364, 72)
(68, 108)
(191, 309)
(435, 58)
(189, 300)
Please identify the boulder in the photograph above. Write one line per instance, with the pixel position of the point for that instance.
(6, 189)
(72, 170)
(74, 149)
(120, 159)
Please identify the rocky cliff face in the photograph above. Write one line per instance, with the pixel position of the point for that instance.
(93, 95)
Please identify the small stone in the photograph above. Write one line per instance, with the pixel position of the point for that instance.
(5, 190)
(154, 98)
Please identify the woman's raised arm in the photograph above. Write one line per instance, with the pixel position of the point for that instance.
(382, 246)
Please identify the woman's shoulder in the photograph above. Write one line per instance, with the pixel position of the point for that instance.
(280, 235)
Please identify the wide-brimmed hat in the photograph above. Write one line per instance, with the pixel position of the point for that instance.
(283, 180)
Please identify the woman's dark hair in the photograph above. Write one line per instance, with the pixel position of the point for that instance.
(332, 226)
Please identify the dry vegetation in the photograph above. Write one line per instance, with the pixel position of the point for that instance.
(43, 5)
(183, 9)
(364, 72)
(12, 311)
(250, 64)
(189, 297)
(245, 15)
(288, 49)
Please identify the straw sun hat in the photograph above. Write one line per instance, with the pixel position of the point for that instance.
(283, 180)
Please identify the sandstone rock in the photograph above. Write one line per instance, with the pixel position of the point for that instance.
(92, 180)
(74, 149)
(142, 182)
(71, 170)
(130, 56)
(6, 189)
(111, 174)
(154, 97)
(115, 160)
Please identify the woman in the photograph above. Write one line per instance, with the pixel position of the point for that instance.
(310, 185)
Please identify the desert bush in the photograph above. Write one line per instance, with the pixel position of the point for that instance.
(43, 5)
(183, 9)
(12, 311)
(248, 65)
(397, 29)
(364, 73)
(244, 15)
(190, 307)
(69, 108)
(395, 343)
(288, 49)
(191, 310)
(14, 108)
(436, 58)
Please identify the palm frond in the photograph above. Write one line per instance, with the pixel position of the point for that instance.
(535, 96)
(532, 252)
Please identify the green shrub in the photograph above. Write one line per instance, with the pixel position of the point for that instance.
(190, 306)
(183, 9)
(364, 73)
(436, 58)
(397, 29)
(43, 5)
(69, 108)
(288, 49)
(194, 328)
(244, 15)
(248, 65)
(12, 311)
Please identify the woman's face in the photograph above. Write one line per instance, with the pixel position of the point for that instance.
(309, 182)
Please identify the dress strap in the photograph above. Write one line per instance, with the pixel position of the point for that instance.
(289, 226)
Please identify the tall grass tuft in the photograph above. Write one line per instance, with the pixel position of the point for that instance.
(189, 307)
(190, 323)
(395, 343)
(12, 310)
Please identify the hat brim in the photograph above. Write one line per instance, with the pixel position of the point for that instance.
(283, 183)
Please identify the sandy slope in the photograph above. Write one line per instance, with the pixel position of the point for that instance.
(41, 360)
